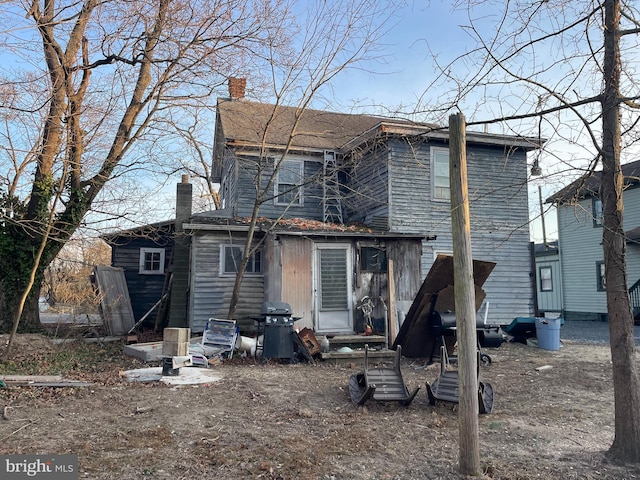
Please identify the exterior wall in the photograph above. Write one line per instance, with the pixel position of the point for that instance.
(244, 189)
(367, 198)
(549, 301)
(499, 218)
(211, 291)
(293, 260)
(581, 247)
(144, 290)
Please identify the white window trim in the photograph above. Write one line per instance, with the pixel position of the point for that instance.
(143, 252)
(433, 172)
(276, 198)
(550, 279)
(223, 257)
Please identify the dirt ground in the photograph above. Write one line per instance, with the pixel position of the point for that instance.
(275, 421)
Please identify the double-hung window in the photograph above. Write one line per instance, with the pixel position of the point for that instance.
(288, 187)
(440, 173)
(596, 206)
(231, 258)
(151, 261)
(546, 279)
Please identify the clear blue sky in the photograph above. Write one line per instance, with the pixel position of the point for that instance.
(400, 77)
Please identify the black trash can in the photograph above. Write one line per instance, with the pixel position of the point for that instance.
(278, 330)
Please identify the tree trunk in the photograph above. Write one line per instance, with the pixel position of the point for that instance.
(626, 444)
(9, 304)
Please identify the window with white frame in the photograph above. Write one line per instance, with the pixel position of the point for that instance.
(151, 261)
(546, 280)
(231, 259)
(596, 205)
(288, 189)
(600, 278)
(440, 173)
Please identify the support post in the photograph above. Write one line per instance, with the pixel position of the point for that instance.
(469, 448)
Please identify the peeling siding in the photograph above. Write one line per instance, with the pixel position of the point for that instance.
(211, 292)
(144, 290)
(367, 198)
(244, 187)
(499, 218)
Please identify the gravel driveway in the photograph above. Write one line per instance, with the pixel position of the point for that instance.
(590, 332)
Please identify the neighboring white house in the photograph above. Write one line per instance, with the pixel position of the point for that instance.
(580, 243)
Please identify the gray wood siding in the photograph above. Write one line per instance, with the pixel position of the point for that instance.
(499, 218)
(367, 198)
(580, 245)
(144, 290)
(211, 292)
(312, 191)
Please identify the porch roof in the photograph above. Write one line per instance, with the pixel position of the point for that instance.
(295, 227)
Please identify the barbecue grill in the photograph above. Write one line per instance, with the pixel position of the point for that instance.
(276, 322)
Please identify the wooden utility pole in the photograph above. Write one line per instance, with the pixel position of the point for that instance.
(469, 445)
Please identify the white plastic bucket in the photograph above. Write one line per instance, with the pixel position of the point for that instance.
(247, 345)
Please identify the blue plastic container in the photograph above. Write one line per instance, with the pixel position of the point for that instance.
(548, 333)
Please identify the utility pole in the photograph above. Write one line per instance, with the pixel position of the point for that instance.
(464, 287)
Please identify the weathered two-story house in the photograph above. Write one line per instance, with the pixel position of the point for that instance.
(579, 211)
(390, 176)
(354, 195)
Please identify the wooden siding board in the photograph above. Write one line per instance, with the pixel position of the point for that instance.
(367, 197)
(211, 292)
(246, 194)
(499, 218)
(144, 290)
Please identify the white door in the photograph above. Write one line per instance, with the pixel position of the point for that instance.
(333, 288)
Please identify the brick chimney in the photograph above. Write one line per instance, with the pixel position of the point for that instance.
(237, 87)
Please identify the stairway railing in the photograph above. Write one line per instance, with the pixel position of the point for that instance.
(634, 294)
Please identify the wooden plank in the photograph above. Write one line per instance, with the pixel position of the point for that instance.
(114, 300)
(40, 381)
(393, 316)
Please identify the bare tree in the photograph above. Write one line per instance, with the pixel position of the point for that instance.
(558, 65)
(92, 83)
(338, 36)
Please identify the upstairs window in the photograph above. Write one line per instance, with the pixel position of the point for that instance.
(546, 280)
(596, 206)
(288, 189)
(151, 261)
(231, 259)
(440, 173)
